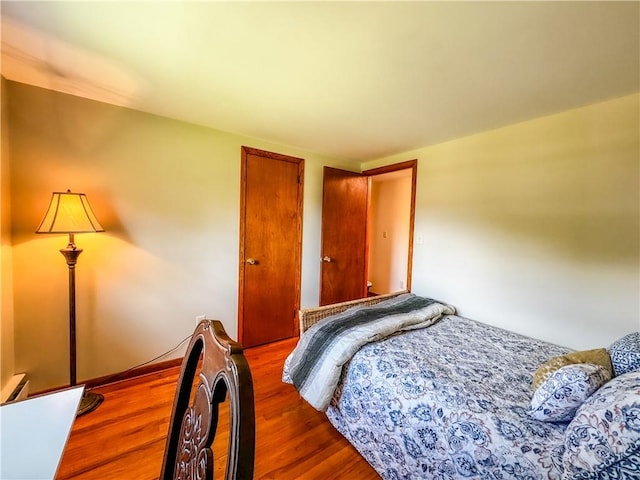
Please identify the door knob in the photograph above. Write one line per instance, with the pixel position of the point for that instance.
(326, 259)
(251, 261)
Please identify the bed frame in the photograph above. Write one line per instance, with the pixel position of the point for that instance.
(310, 316)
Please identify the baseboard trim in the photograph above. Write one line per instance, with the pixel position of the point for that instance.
(133, 373)
(119, 377)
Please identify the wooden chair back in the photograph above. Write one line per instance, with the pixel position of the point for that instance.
(223, 370)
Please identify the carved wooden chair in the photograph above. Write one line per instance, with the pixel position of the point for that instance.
(223, 370)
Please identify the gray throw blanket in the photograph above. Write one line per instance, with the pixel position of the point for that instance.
(315, 364)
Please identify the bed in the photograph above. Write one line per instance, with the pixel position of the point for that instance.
(422, 392)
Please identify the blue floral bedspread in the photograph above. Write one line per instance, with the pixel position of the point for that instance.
(449, 401)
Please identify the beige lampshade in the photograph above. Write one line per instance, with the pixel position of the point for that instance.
(69, 213)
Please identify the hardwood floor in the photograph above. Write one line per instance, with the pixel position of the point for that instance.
(124, 438)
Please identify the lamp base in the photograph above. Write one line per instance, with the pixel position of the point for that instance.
(89, 402)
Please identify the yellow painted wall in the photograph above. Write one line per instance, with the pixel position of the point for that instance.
(168, 195)
(535, 227)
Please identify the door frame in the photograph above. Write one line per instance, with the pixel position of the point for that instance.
(243, 210)
(413, 165)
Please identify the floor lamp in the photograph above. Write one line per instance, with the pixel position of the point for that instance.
(70, 213)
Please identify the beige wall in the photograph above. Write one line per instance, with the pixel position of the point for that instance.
(168, 195)
(535, 227)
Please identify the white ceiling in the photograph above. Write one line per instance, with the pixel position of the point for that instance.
(354, 80)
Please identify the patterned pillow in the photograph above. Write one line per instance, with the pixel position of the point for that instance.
(603, 439)
(598, 356)
(625, 353)
(558, 397)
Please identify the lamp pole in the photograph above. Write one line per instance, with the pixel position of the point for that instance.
(71, 254)
(90, 400)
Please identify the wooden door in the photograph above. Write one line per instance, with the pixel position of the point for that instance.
(270, 247)
(343, 268)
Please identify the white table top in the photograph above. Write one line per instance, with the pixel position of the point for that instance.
(34, 432)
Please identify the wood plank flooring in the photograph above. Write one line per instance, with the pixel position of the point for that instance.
(124, 438)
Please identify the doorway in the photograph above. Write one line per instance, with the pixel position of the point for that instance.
(347, 236)
(270, 246)
(389, 220)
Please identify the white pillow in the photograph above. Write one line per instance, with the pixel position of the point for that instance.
(560, 395)
(603, 439)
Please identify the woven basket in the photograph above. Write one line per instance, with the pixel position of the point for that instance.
(310, 316)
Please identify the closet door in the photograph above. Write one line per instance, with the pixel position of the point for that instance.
(270, 247)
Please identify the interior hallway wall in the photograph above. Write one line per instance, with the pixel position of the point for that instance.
(389, 232)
